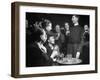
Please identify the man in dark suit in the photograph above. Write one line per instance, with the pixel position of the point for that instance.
(50, 45)
(52, 48)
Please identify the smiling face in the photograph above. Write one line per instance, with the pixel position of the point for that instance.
(51, 40)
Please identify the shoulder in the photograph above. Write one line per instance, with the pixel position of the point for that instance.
(34, 45)
(33, 48)
(80, 27)
(47, 46)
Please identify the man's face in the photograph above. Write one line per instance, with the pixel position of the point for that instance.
(51, 40)
(74, 19)
(49, 27)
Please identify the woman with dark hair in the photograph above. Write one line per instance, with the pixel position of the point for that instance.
(36, 53)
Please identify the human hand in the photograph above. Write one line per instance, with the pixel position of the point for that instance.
(77, 54)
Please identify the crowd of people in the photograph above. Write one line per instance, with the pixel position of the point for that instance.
(44, 46)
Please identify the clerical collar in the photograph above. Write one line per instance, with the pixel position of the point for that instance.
(76, 24)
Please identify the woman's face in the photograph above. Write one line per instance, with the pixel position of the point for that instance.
(57, 28)
(44, 36)
(86, 27)
(66, 26)
(49, 27)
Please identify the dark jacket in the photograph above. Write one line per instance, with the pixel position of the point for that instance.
(49, 50)
(35, 57)
(85, 49)
(76, 34)
(60, 40)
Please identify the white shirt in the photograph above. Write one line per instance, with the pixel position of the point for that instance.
(76, 24)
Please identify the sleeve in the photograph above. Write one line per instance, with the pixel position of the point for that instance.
(62, 38)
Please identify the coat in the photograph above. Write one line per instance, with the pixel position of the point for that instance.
(35, 57)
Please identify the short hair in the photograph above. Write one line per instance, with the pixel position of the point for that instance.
(66, 22)
(76, 16)
(50, 36)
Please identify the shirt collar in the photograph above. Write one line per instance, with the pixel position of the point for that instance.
(76, 24)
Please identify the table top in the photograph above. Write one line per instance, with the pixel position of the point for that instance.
(69, 61)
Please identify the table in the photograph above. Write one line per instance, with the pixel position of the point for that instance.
(69, 61)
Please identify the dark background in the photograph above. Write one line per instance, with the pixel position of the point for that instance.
(56, 18)
(59, 19)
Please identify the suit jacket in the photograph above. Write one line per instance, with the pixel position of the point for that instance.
(49, 50)
(35, 57)
(60, 40)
